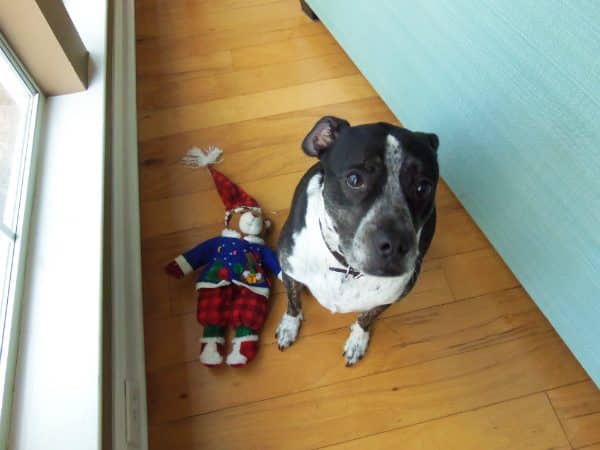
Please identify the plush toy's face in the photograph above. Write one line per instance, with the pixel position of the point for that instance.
(251, 223)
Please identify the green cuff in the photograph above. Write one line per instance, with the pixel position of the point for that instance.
(244, 331)
(211, 331)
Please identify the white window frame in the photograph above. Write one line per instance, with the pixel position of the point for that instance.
(25, 193)
(82, 324)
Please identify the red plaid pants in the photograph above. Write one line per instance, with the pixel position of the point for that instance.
(232, 306)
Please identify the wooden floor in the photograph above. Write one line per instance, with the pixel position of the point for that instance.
(467, 361)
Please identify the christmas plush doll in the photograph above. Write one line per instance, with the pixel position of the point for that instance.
(233, 286)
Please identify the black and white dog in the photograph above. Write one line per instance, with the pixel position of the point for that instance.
(361, 221)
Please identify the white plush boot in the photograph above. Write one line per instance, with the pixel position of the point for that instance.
(212, 350)
(244, 350)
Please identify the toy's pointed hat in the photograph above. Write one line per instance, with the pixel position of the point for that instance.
(234, 198)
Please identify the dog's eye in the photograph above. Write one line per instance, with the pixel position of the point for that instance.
(354, 180)
(424, 188)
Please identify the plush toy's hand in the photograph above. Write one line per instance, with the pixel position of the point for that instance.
(174, 270)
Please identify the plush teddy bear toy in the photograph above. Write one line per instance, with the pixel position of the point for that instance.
(233, 286)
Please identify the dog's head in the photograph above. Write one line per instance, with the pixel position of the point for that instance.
(379, 183)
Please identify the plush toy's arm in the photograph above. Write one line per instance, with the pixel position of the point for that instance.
(191, 260)
(271, 262)
(174, 270)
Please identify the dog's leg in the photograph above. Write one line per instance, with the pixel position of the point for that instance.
(358, 341)
(287, 331)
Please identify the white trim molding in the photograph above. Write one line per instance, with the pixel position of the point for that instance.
(125, 260)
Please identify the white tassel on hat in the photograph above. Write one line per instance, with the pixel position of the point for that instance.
(196, 157)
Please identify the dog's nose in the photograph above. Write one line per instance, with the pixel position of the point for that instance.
(392, 244)
(385, 248)
(389, 245)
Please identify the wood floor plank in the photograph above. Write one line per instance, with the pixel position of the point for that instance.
(171, 49)
(193, 18)
(196, 210)
(264, 131)
(163, 176)
(445, 200)
(167, 181)
(469, 274)
(179, 91)
(359, 407)
(221, 62)
(210, 64)
(284, 51)
(578, 408)
(252, 106)
(169, 5)
(398, 341)
(456, 233)
(523, 424)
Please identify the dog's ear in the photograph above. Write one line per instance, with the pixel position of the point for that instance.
(434, 141)
(429, 139)
(323, 135)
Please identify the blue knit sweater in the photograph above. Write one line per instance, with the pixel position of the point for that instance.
(229, 260)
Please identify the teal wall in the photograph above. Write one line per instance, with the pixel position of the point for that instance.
(513, 90)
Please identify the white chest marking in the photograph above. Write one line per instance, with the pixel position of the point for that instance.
(310, 263)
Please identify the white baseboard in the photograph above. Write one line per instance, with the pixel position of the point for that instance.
(125, 284)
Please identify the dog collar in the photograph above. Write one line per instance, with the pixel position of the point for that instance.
(347, 270)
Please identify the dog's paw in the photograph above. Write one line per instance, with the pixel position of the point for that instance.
(356, 345)
(287, 331)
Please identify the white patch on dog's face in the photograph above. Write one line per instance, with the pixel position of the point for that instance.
(393, 162)
(392, 195)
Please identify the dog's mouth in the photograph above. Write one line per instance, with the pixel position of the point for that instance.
(372, 264)
(387, 271)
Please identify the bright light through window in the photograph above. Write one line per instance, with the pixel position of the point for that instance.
(18, 110)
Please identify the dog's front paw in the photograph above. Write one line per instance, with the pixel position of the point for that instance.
(356, 344)
(287, 331)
